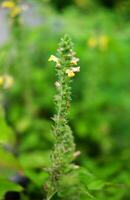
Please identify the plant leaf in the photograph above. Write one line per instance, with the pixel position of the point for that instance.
(6, 134)
(6, 186)
(96, 185)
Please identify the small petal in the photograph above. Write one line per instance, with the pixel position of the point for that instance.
(74, 61)
(58, 64)
(57, 84)
(76, 69)
(77, 153)
(54, 59)
(70, 73)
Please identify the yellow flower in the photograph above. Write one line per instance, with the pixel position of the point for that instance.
(15, 11)
(92, 42)
(70, 73)
(54, 59)
(8, 4)
(103, 42)
(6, 81)
(74, 61)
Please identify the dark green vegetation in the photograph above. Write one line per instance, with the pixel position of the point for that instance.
(100, 112)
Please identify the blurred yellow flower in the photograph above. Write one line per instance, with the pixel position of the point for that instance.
(8, 4)
(15, 11)
(1, 80)
(103, 42)
(6, 81)
(92, 42)
(82, 3)
(54, 59)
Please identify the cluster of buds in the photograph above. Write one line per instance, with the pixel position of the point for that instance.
(72, 69)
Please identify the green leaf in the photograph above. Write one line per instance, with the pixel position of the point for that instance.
(36, 159)
(8, 160)
(38, 178)
(6, 134)
(96, 185)
(6, 186)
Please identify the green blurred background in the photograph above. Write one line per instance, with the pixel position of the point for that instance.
(100, 111)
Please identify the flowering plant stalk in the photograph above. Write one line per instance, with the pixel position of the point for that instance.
(64, 148)
(14, 19)
(14, 11)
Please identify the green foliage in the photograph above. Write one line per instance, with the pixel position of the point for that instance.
(6, 185)
(6, 135)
